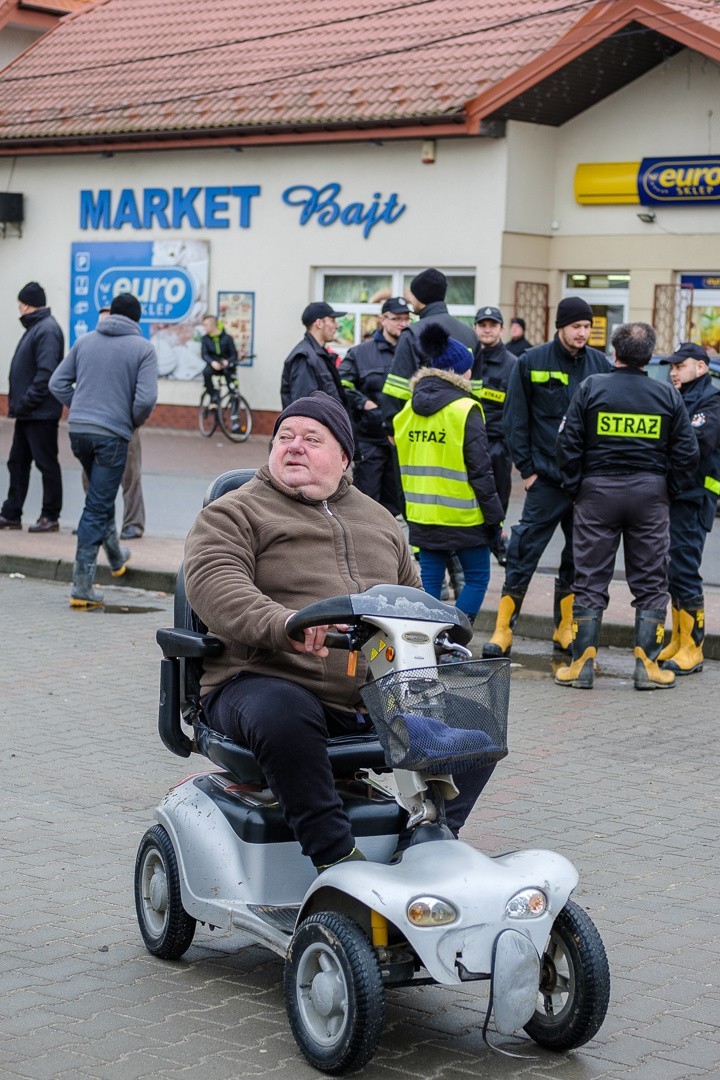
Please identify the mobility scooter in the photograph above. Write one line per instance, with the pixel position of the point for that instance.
(221, 854)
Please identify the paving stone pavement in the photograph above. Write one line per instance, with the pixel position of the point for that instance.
(624, 784)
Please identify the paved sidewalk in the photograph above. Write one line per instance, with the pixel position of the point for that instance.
(178, 466)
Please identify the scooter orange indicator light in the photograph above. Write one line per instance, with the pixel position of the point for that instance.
(389, 654)
(352, 663)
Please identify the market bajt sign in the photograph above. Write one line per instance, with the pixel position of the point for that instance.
(223, 207)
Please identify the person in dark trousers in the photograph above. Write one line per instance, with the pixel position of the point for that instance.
(427, 297)
(518, 343)
(362, 372)
(451, 503)
(496, 365)
(311, 366)
(692, 513)
(109, 381)
(625, 448)
(541, 387)
(218, 353)
(36, 413)
(298, 532)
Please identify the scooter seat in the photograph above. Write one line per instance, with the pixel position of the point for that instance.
(347, 754)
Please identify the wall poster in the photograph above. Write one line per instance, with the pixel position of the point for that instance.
(236, 312)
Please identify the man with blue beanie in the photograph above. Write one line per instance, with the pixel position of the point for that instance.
(109, 381)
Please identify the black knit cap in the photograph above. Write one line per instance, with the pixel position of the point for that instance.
(328, 412)
(33, 295)
(572, 309)
(429, 285)
(126, 304)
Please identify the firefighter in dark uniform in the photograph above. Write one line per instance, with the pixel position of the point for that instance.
(496, 365)
(625, 449)
(310, 366)
(692, 514)
(362, 372)
(542, 384)
(428, 291)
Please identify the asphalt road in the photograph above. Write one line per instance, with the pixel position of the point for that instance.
(624, 784)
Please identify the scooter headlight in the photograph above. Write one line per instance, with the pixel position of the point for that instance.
(528, 904)
(430, 911)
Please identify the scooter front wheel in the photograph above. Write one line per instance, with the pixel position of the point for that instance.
(574, 983)
(334, 993)
(166, 927)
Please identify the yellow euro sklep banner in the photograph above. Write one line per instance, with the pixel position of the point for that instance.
(607, 182)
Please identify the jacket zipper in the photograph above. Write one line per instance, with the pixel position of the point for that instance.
(344, 541)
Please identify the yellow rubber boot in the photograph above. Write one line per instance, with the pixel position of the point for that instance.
(585, 641)
(501, 641)
(674, 643)
(562, 618)
(649, 634)
(688, 657)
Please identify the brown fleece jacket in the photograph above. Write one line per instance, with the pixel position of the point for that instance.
(260, 553)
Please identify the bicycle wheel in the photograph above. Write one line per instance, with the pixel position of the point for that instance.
(207, 415)
(235, 416)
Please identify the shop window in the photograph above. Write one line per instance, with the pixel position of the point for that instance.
(361, 292)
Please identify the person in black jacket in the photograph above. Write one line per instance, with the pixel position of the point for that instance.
(427, 296)
(625, 448)
(218, 353)
(362, 373)
(310, 366)
(518, 343)
(496, 365)
(542, 383)
(692, 513)
(36, 412)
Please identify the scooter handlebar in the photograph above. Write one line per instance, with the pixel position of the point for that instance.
(337, 609)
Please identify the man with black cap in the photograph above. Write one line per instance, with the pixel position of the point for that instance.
(109, 381)
(541, 386)
(427, 296)
(297, 533)
(518, 343)
(310, 366)
(496, 365)
(362, 372)
(36, 413)
(625, 448)
(692, 512)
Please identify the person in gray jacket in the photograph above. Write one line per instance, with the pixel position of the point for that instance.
(109, 381)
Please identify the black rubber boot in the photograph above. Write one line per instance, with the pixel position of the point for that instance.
(562, 617)
(82, 594)
(117, 556)
(500, 643)
(585, 641)
(649, 634)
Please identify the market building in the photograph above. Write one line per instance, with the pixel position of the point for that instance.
(248, 166)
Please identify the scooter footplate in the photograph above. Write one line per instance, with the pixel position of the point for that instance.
(282, 918)
(515, 981)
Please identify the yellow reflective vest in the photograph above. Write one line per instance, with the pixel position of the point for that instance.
(432, 465)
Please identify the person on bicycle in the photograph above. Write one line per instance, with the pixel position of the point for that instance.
(218, 353)
(297, 533)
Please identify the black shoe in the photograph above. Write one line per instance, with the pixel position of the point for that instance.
(44, 524)
(132, 532)
(6, 523)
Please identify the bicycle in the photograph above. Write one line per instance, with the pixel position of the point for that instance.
(227, 410)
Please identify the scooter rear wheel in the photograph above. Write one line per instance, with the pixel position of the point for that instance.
(334, 993)
(166, 927)
(574, 983)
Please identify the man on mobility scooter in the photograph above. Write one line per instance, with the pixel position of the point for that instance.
(298, 532)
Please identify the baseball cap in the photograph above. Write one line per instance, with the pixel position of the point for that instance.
(489, 313)
(319, 310)
(687, 351)
(396, 305)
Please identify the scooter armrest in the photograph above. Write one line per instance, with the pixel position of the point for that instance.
(188, 644)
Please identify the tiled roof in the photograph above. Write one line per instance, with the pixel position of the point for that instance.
(164, 67)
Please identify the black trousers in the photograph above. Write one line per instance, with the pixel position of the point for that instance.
(546, 506)
(636, 509)
(502, 470)
(287, 729)
(34, 441)
(376, 474)
(690, 524)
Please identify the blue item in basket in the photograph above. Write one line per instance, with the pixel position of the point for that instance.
(432, 740)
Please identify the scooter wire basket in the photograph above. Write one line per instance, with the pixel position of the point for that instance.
(443, 719)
